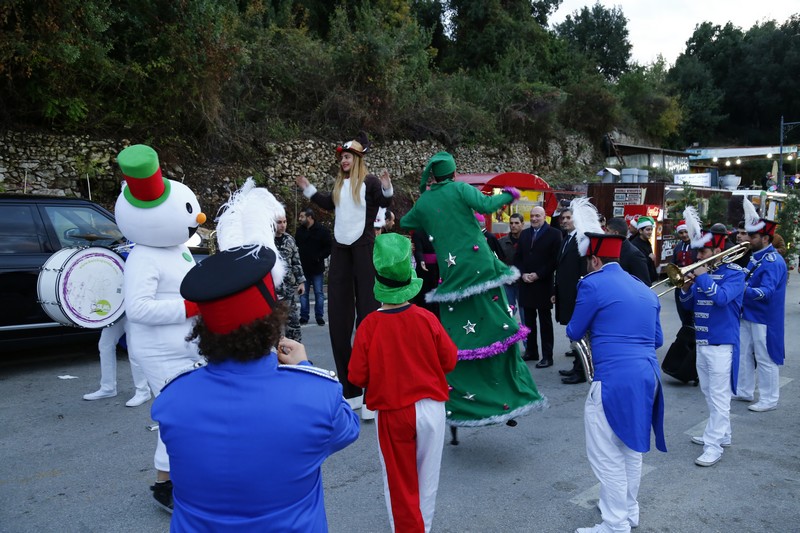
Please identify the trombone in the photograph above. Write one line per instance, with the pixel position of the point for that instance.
(676, 276)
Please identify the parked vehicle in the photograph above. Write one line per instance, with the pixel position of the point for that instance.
(32, 229)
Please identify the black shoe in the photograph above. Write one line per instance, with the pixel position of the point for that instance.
(544, 363)
(303, 321)
(570, 353)
(320, 321)
(573, 379)
(162, 493)
(566, 373)
(530, 357)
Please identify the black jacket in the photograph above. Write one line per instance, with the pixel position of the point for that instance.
(646, 248)
(314, 244)
(569, 269)
(634, 262)
(538, 256)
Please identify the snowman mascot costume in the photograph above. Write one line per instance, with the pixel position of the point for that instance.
(159, 215)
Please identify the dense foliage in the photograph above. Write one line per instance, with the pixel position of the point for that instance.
(229, 74)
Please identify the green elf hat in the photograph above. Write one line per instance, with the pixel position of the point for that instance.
(146, 187)
(643, 222)
(440, 164)
(395, 280)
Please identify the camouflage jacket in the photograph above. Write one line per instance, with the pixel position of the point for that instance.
(287, 247)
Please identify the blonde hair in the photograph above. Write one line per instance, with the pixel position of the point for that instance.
(357, 174)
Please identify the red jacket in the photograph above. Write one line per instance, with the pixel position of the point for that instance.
(401, 356)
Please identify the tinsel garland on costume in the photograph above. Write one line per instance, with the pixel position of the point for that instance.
(435, 296)
(494, 348)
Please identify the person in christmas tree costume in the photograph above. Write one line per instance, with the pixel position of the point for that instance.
(490, 384)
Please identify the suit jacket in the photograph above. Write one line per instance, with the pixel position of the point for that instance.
(569, 269)
(634, 262)
(538, 256)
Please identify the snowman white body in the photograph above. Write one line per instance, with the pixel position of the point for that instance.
(154, 270)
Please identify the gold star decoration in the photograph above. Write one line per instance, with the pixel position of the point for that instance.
(469, 328)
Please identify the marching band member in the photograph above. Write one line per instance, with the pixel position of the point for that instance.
(716, 299)
(625, 398)
(248, 432)
(762, 315)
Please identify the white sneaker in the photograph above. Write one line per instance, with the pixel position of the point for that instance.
(701, 442)
(742, 398)
(99, 395)
(138, 399)
(356, 403)
(759, 407)
(367, 414)
(708, 458)
(597, 528)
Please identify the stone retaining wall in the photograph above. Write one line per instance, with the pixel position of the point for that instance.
(77, 165)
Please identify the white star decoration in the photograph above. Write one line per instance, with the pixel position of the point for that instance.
(469, 328)
(469, 396)
(451, 259)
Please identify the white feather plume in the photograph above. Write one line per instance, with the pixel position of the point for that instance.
(248, 222)
(694, 227)
(586, 220)
(752, 222)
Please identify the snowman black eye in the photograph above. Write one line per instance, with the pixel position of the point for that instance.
(188, 207)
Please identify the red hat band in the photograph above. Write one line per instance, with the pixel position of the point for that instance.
(146, 189)
(769, 227)
(717, 241)
(227, 314)
(607, 246)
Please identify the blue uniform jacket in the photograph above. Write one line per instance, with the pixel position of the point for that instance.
(716, 299)
(622, 316)
(246, 443)
(765, 297)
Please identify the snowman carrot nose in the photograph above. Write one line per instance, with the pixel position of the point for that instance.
(201, 218)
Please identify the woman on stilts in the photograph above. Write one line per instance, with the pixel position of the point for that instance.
(355, 199)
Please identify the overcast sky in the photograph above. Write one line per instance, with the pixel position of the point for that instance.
(663, 27)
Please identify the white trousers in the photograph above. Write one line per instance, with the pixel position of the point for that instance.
(410, 442)
(753, 348)
(107, 346)
(617, 467)
(159, 368)
(714, 370)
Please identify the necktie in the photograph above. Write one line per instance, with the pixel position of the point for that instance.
(566, 243)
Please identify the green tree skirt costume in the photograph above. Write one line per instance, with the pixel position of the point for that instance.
(491, 384)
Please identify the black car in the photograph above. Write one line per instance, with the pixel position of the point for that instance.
(33, 228)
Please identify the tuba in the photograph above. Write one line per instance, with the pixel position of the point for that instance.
(584, 350)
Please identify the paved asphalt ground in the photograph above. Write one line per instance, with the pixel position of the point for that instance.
(71, 465)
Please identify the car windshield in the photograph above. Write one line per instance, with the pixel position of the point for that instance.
(82, 226)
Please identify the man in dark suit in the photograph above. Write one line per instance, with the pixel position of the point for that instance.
(536, 256)
(631, 259)
(569, 269)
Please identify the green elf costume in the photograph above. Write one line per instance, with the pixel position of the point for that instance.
(490, 384)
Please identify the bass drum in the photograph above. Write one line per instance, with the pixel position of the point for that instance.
(82, 287)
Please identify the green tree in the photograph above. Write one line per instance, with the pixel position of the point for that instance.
(643, 93)
(601, 34)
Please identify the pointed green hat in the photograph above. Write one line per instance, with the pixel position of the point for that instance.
(441, 164)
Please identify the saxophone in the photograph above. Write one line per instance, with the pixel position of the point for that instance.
(583, 348)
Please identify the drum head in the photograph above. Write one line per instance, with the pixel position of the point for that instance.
(83, 286)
